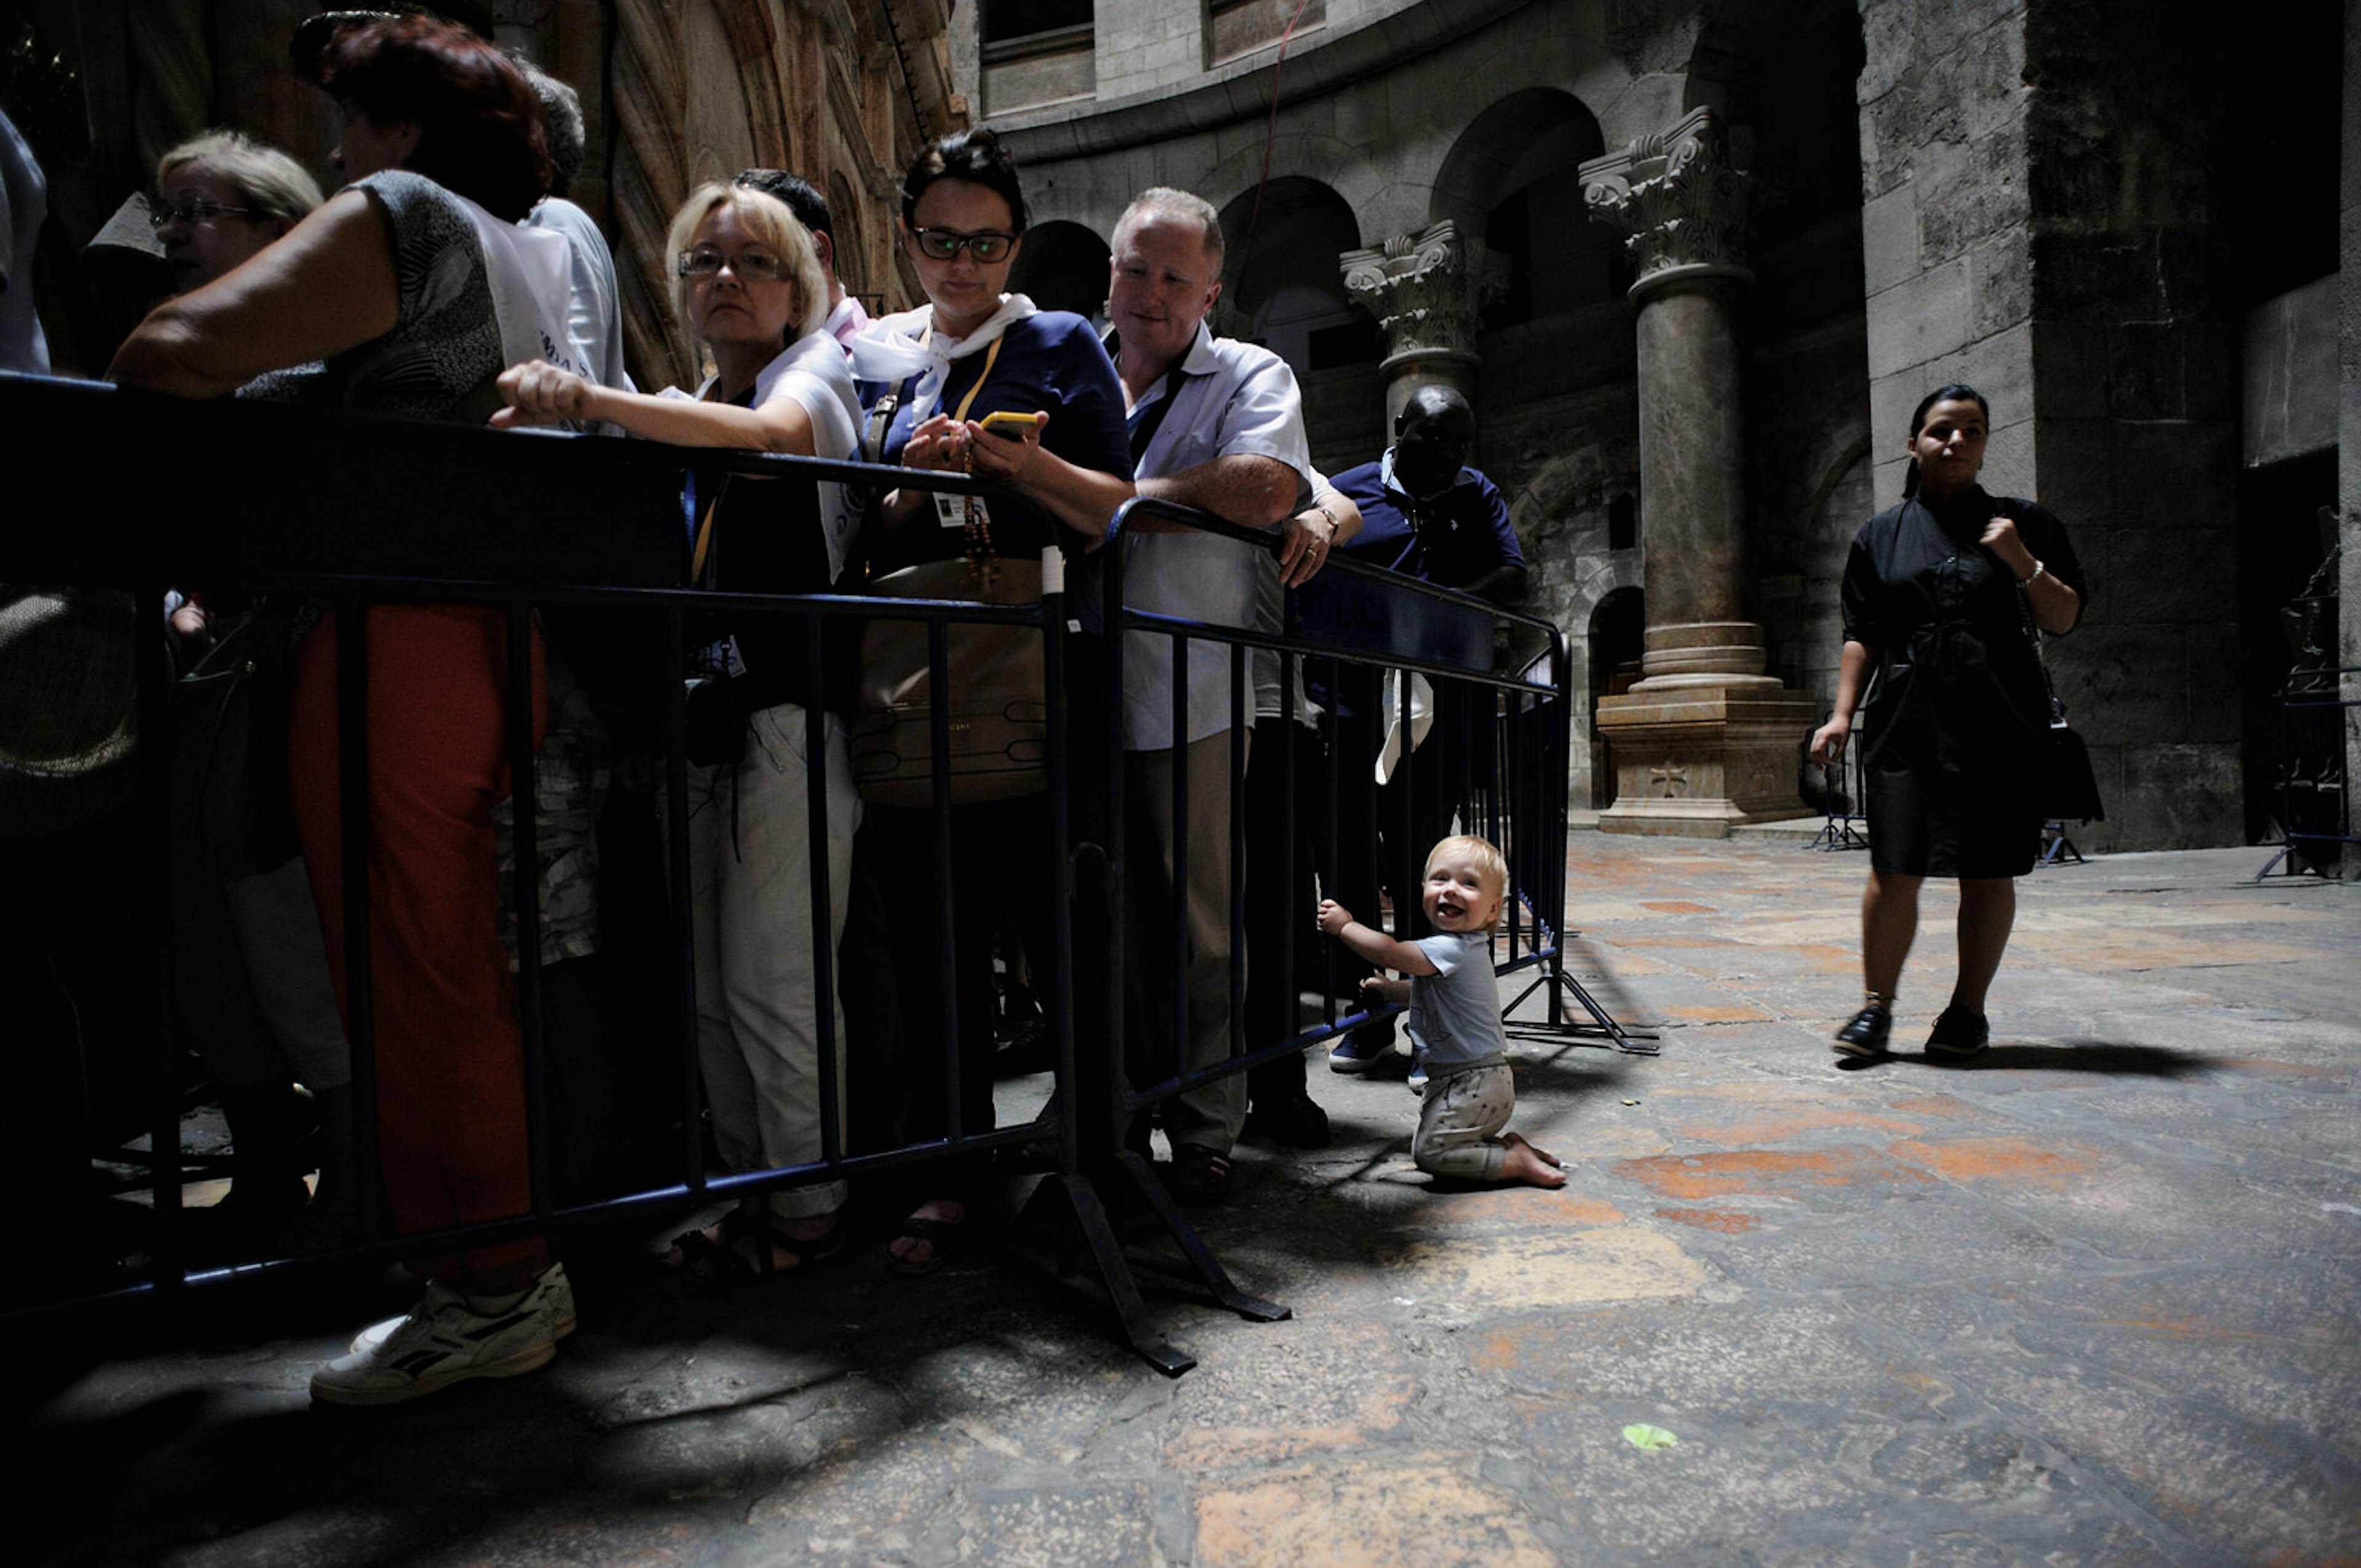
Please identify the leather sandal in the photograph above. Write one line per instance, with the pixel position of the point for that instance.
(1197, 1176)
(719, 1263)
(942, 1236)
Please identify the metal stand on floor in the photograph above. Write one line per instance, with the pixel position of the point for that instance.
(1076, 1221)
(1076, 1232)
(1836, 788)
(1559, 985)
(2055, 848)
(1840, 833)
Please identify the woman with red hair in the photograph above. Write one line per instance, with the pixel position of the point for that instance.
(394, 298)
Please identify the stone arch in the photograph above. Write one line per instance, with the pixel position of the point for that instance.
(1512, 182)
(1062, 266)
(1280, 282)
(1563, 513)
(1360, 180)
(1608, 606)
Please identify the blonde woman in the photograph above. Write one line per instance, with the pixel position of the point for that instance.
(746, 280)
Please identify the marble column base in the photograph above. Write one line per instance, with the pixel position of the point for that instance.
(1697, 759)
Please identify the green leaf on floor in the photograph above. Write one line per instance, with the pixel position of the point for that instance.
(1640, 1434)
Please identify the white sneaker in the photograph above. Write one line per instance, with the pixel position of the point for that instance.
(445, 1340)
(550, 1289)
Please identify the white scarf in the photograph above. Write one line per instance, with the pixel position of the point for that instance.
(899, 346)
(531, 272)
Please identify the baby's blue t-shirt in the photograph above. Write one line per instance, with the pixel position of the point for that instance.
(1455, 1013)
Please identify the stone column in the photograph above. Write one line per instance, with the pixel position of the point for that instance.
(1703, 741)
(1428, 298)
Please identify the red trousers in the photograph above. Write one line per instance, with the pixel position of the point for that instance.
(450, 1055)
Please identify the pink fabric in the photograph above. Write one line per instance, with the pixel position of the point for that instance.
(450, 1077)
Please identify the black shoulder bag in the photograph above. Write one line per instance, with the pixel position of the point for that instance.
(2071, 788)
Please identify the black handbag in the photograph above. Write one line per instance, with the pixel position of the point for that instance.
(2069, 787)
(229, 748)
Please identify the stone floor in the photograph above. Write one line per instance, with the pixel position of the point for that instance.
(2092, 1300)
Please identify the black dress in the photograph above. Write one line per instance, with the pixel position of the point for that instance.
(1955, 728)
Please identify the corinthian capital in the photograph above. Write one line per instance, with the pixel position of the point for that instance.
(1422, 290)
(1683, 209)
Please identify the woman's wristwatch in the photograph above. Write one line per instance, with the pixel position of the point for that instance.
(2040, 570)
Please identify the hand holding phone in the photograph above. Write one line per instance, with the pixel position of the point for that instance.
(1009, 422)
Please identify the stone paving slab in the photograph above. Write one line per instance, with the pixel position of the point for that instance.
(2090, 1301)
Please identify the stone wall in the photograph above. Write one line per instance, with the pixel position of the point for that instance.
(2136, 395)
(2349, 402)
(2039, 196)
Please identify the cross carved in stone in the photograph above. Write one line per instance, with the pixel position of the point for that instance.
(1673, 776)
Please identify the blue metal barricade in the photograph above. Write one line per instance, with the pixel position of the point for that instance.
(361, 512)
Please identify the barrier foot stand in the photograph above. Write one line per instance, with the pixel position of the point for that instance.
(1196, 1260)
(1068, 1207)
(1602, 1024)
(1069, 1214)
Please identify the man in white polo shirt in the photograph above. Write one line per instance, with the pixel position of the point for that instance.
(1217, 424)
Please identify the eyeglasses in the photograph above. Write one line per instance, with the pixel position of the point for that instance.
(201, 212)
(944, 244)
(746, 264)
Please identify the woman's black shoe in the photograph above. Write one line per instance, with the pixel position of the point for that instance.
(1865, 1035)
(1959, 1033)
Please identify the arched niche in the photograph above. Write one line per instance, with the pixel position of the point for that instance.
(1610, 650)
(1063, 267)
(1280, 282)
(1513, 181)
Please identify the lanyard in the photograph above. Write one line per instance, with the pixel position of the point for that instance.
(705, 523)
(990, 354)
(1144, 422)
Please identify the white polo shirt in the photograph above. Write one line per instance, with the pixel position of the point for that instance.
(1229, 399)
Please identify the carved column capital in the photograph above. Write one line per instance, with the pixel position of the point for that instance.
(1427, 294)
(1681, 207)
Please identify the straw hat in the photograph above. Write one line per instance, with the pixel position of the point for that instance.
(68, 708)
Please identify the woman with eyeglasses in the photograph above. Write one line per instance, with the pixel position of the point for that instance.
(382, 302)
(748, 281)
(249, 977)
(222, 197)
(972, 350)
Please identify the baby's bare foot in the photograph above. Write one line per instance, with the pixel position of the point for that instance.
(1532, 1165)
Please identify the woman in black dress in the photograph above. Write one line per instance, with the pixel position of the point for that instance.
(1955, 730)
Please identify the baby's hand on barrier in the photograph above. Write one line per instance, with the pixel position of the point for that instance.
(1378, 988)
(1333, 917)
